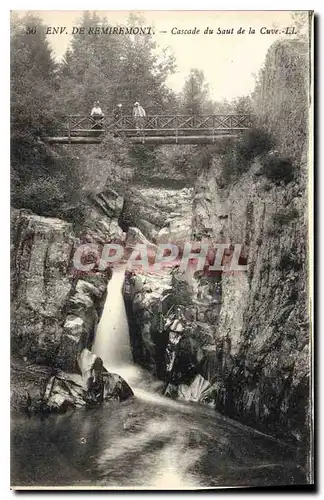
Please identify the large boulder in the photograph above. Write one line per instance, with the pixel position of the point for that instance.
(98, 384)
(63, 391)
(137, 212)
(115, 387)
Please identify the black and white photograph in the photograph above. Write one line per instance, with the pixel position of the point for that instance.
(161, 274)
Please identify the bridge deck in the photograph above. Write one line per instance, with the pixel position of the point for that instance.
(156, 129)
(191, 139)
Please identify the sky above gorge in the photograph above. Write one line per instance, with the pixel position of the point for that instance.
(229, 61)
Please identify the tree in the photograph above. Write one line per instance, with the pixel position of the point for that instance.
(32, 76)
(114, 69)
(223, 107)
(145, 71)
(90, 68)
(243, 105)
(42, 179)
(194, 96)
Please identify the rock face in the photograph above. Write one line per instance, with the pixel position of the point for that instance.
(172, 331)
(142, 213)
(263, 377)
(37, 388)
(238, 341)
(42, 282)
(110, 385)
(176, 204)
(54, 307)
(162, 215)
(241, 340)
(101, 224)
(143, 295)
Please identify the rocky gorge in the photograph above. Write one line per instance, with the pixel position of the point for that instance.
(235, 341)
(239, 341)
(55, 308)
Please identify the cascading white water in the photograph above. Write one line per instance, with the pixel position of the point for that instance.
(112, 337)
(150, 441)
(112, 344)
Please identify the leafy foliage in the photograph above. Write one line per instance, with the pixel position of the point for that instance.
(114, 69)
(289, 262)
(194, 97)
(278, 169)
(179, 160)
(239, 154)
(244, 106)
(284, 217)
(281, 99)
(42, 179)
(254, 142)
(281, 219)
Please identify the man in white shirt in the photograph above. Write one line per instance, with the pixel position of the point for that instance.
(97, 115)
(139, 116)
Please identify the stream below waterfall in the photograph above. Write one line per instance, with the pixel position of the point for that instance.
(148, 441)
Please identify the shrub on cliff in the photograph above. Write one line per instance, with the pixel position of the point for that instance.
(289, 261)
(239, 154)
(179, 161)
(45, 197)
(143, 158)
(254, 142)
(43, 179)
(278, 169)
(284, 217)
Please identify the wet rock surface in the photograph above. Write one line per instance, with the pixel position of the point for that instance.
(99, 385)
(263, 317)
(37, 389)
(237, 341)
(162, 215)
(174, 333)
(54, 307)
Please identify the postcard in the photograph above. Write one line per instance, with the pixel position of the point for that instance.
(161, 250)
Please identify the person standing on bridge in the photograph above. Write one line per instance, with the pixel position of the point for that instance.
(117, 112)
(97, 115)
(139, 116)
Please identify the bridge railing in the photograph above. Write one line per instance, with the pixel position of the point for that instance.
(77, 124)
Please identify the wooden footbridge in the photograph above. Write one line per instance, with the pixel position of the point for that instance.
(155, 129)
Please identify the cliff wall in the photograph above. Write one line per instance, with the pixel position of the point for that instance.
(54, 308)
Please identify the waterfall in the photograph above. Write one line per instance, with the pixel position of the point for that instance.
(112, 342)
(151, 441)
